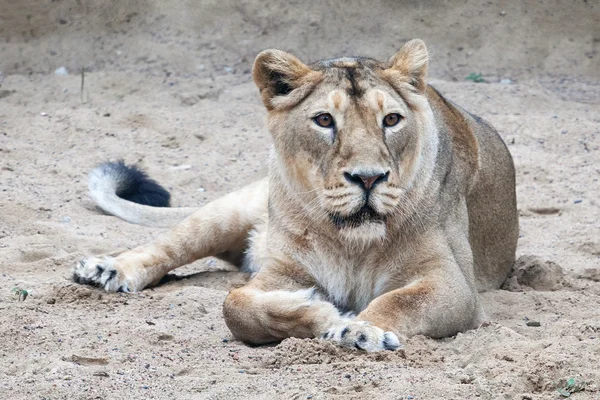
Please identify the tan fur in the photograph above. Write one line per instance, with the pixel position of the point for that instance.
(439, 225)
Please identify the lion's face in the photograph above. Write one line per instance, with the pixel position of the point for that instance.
(348, 133)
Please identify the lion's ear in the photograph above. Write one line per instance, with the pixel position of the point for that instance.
(277, 74)
(412, 61)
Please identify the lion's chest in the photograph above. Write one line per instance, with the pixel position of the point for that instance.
(350, 283)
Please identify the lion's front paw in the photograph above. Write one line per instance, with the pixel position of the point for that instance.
(101, 273)
(362, 335)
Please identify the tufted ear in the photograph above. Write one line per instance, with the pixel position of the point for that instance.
(278, 74)
(412, 61)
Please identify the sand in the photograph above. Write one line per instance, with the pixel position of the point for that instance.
(167, 86)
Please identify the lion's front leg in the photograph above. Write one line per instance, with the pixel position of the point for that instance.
(258, 313)
(438, 305)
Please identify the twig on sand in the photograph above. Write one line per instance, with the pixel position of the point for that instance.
(82, 82)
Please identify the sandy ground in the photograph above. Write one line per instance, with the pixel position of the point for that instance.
(168, 86)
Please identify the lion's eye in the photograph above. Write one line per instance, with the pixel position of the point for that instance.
(324, 120)
(391, 120)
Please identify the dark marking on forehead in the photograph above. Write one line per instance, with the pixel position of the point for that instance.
(359, 72)
(355, 89)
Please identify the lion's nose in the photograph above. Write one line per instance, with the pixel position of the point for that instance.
(365, 179)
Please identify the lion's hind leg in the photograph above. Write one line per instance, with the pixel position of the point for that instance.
(221, 227)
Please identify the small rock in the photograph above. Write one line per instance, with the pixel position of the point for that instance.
(202, 189)
(211, 263)
(43, 114)
(228, 69)
(544, 210)
(506, 81)
(181, 167)
(51, 301)
(592, 274)
(577, 201)
(533, 323)
(502, 13)
(61, 71)
(66, 220)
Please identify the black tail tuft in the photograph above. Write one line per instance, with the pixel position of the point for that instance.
(134, 185)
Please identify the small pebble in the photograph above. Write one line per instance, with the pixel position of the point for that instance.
(61, 71)
(533, 323)
(202, 189)
(180, 167)
(211, 263)
(506, 81)
(577, 201)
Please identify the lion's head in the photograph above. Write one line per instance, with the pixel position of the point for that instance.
(351, 134)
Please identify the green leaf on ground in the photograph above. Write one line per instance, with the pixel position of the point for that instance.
(475, 77)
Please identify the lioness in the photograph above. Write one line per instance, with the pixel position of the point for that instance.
(387, 208)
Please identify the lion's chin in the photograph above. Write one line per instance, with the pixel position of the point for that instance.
(364, 235)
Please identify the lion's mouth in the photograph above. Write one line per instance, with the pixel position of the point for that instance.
(365, 215)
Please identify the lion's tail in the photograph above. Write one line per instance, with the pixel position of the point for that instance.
(128, 193)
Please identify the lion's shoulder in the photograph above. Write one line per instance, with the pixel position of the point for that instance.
(460, 127)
